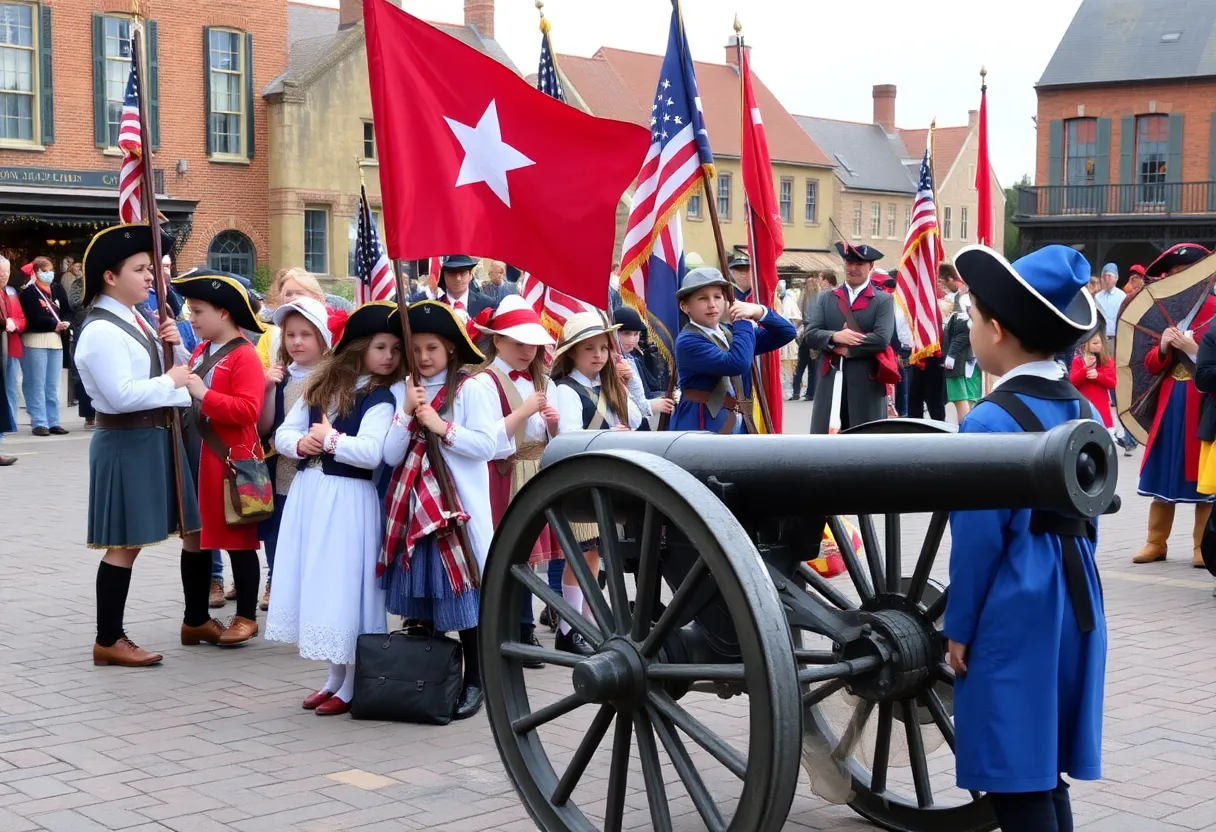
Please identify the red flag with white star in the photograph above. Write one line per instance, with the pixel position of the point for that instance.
(474, 159)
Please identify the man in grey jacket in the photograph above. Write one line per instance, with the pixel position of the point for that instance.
(851, 348)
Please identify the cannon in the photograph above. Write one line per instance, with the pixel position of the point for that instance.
(724, 666)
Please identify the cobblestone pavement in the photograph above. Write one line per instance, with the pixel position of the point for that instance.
(216, 740)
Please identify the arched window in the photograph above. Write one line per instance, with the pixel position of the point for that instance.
(231, 252)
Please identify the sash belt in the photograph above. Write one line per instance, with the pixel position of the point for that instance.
(157, 417)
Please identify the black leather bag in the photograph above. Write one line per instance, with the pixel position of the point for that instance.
(409, 675)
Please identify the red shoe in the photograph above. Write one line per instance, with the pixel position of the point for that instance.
(316, 698)
(334, 706)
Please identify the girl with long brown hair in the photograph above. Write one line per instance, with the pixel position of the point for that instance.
(590, 395)
(326, 593)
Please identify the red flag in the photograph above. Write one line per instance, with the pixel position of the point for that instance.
(983, 177)
(474, 159)
(766, 240)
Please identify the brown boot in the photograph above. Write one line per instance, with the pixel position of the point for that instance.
(209, 632)
(124, 653)
(1160, 521)
(238, 632)
(1202, 512)
(217, 599)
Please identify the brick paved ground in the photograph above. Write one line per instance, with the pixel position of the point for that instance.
(216, 740)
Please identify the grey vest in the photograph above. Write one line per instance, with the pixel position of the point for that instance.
(717, 396)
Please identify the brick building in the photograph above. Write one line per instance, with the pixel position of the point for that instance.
(1126, 157)
(63, 74)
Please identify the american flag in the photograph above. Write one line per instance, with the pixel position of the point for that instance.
(915, 288)
(375, 272)
(434, 267)
(130, 188)
(554, 307)
(547, 80)
(654, 247)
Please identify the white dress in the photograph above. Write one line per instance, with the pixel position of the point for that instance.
(325, 589)
(475, 416)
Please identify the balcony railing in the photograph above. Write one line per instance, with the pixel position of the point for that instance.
(1163, 199)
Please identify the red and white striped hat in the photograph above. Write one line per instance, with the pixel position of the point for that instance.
(515, 318)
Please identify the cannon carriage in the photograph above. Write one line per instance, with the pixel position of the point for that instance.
(724, 666)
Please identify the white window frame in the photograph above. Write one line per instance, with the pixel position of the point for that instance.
(811, 206)
(947, 216)
(221, 73)
(35, 139)
(857, 218)
(963, 230)
(875, 220)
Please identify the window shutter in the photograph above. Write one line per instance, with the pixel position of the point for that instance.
(1173, 166)
(207, 89)
(153, 82)
(249, 98)
(1055, 163)
(101, 136)
(1127, 163)
(46, 87)
(1102, 165)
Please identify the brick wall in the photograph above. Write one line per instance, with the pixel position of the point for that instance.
(1196, 100)
(229, 195)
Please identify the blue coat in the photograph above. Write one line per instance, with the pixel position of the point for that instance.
(700, 363)
(1030, 705)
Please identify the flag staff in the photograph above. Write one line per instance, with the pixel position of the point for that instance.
(148, 196)
(758, 392)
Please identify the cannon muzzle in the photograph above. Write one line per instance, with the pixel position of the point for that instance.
(1071, 469)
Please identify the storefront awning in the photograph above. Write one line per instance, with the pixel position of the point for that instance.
(805, 262)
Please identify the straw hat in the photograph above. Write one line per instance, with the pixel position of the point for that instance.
(580, 327)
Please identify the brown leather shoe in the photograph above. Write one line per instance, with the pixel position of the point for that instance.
(238, 632)
(124, 653)
(209, 632)
(230, 593)
(265, 604)
(217, 594)
(41, 432)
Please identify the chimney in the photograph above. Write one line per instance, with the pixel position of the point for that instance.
(884, 107)
(480, 15)
(732, 51)
(350, 12)
(973, 118)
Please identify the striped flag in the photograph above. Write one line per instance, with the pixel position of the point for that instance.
(434, 267)
(130, 142)
(653, 258)
(372, 267)
(553, 306)
(916, 285)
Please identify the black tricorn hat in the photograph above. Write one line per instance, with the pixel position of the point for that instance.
(222, 290)
(857, 254)
(1183, 254)
(109, 247)
(437, 318)
(379, 316)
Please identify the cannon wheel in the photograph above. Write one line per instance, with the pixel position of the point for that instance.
(879, 581)
(636, 676)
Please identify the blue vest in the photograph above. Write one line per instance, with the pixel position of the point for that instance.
(349, 425)
(589, 403)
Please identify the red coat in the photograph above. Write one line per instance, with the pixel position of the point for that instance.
(10, 306)
(232, 404)
(1156, 364)
(1096, 390)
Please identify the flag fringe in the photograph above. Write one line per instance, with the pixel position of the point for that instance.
(636, 263)
(657, 330)
(928, 351)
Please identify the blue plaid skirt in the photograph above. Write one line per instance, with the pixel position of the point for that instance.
(425, 593)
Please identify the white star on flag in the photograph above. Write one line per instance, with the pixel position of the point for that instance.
(487, 157)
(666, 84)
(756, 116)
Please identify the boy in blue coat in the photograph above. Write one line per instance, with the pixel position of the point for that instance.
(714, 361)
(1025, 621)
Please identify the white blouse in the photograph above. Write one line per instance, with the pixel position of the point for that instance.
(364, 449)
(536, 430)
(570, 406)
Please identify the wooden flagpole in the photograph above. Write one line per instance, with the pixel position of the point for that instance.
(148, 188)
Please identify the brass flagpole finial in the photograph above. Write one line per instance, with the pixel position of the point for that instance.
(983, 72)
(933, 123)
(544, 23)
(738, 25)
(136, 11)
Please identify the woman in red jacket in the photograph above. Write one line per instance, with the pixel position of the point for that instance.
(1093, 373)
(228, 385)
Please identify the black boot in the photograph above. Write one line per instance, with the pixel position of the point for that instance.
(472, 697)
(572, 642)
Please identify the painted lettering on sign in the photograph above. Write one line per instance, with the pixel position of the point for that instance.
(51, 178)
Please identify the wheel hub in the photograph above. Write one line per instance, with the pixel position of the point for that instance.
(910, 648)
(616, 674)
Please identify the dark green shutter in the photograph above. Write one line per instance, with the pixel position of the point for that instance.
(46, 89)
(101, 134)
(1055, 164)
(153, 84)
(249, 99)
(1127, 163)
(1173, 165)
(1102, 166)
(207, 89)
(1212, 166)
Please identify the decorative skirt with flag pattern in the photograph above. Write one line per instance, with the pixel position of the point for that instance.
(426, 571)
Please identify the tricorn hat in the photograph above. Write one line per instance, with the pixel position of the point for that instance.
(379, 316)
(431, 316)
(1040, 298)
(108, 248)
(699, 279)
(1183, 254)
(222, 290)
(857, 254)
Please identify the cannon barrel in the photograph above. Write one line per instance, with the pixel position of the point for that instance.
(1070, 469)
